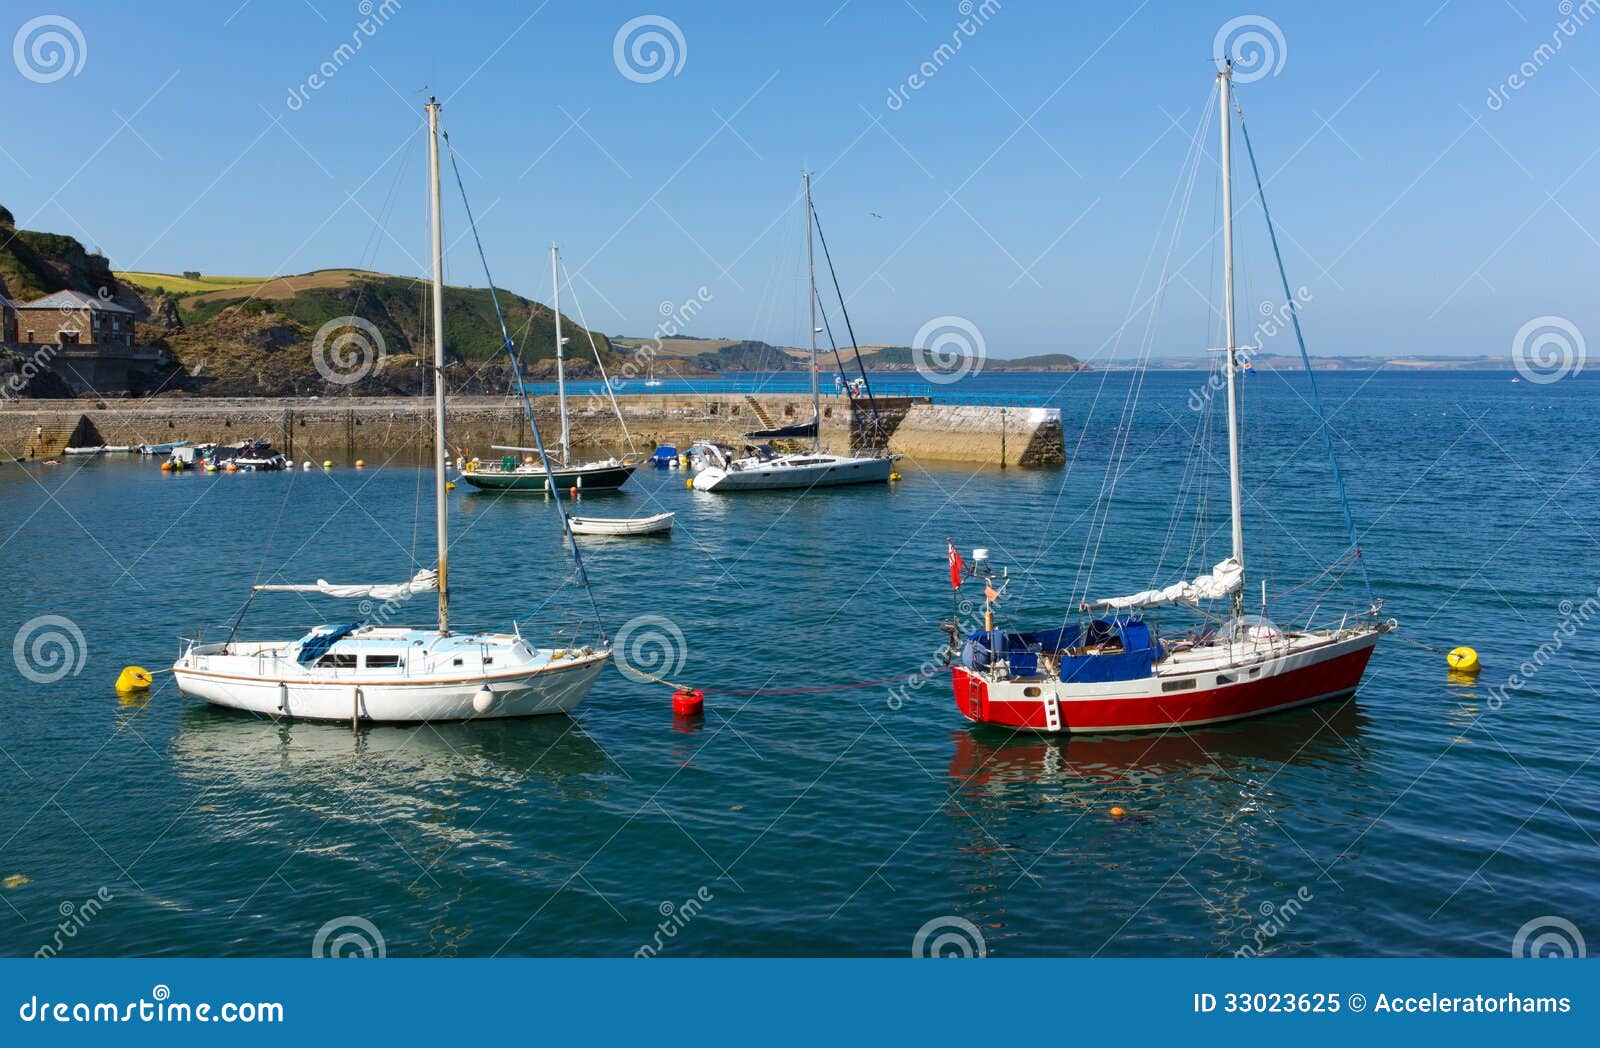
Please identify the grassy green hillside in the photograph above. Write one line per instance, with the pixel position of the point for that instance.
(244, 335)
(396, 306)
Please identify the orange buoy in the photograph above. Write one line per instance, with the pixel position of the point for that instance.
(166, 467)
(361, 464)
(573, 491)
(1117, 813)
(688, 702)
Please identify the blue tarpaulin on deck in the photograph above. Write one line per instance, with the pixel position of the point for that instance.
(1110, 649)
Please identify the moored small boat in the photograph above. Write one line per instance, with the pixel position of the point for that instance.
(656, 525)
(507, 474)
(162, 449)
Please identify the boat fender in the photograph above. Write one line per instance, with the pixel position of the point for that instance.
(483, 700)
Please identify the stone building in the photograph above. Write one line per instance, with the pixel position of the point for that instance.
(69, 318)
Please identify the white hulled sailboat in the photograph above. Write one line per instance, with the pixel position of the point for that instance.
(364, 672)
(760, 468)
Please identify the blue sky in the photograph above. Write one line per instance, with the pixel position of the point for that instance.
(1021, 187)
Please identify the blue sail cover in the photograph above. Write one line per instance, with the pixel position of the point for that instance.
(1022, 650)
(795, 432)
(317, 644)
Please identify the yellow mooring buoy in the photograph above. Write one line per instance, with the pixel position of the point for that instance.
(1463, 660)
(133, 678)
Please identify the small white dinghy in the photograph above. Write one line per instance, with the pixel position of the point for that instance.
(655, 525)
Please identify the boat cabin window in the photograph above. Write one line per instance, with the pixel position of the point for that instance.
(1181, 684)
(382, 662)
(337, 661)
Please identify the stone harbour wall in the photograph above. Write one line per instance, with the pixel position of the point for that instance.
(394, 429)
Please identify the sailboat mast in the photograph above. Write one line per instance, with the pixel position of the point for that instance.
(811, 301)
(561, 355)
(1235, 488)
(441, 506)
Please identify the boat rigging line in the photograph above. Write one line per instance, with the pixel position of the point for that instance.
(522, 393)
(1300, 340)
(872, 401)
(604, 378)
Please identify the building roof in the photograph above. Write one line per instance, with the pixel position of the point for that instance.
(74, 300)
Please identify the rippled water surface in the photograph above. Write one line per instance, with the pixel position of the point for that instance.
(1424, 817)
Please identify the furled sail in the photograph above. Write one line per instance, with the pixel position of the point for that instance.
(1223, 580)
(424, 581)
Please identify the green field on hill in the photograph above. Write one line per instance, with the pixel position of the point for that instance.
(182, 285)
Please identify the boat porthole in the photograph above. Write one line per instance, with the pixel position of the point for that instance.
(1032, 693)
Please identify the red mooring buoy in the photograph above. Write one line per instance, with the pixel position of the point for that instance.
(688, 702)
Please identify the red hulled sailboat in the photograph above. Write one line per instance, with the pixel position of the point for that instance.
(1116, 670)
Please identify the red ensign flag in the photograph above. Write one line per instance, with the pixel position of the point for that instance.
(955, 566)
